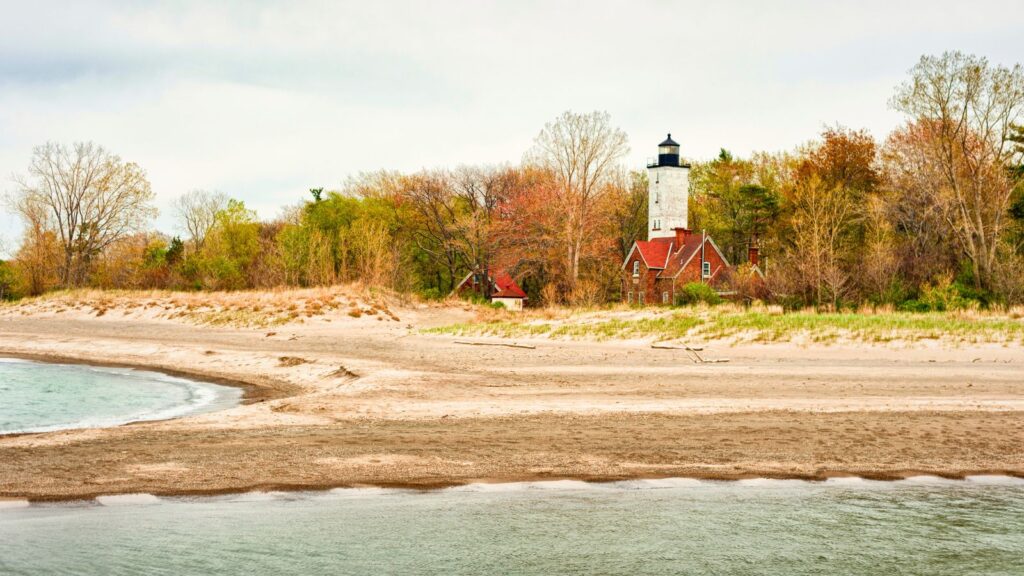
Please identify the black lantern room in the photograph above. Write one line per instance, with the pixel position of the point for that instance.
(668, 152)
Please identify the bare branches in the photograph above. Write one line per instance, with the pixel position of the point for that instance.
(582, 151)
(91, 197)
(197, 213)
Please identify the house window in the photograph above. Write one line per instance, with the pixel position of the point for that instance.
(640, 298)
(707, 270)
(664, 297)
(629, 297)
(636, 268)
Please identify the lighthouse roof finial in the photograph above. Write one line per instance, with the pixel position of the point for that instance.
(669, 141)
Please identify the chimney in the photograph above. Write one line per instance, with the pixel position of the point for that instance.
(752, 254)
(681, 235)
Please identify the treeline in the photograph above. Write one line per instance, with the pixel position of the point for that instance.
(930, 218)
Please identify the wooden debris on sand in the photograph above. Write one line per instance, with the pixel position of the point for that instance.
(693, 352)
(505, 344)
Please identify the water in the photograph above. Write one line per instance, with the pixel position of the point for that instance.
(929, 527)
(37, 397)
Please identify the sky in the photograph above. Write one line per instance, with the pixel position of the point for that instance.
(264, 100)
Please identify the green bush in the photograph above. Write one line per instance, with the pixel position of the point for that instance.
(431, 294)
(913, 305)
(696, 292)
(474, 297)
(8, 281)
(944, 295)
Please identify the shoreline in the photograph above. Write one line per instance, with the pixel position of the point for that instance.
(345, 402)
(910, 477)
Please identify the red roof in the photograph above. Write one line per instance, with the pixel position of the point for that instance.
(655, 252)
(681, 257)
(506, 287)
(663, 254)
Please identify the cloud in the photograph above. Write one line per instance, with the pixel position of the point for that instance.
(263, 100)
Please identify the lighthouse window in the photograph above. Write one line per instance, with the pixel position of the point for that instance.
(657, 196)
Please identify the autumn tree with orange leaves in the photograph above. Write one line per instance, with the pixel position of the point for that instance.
(582, 152)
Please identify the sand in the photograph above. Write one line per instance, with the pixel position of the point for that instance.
(337, 400)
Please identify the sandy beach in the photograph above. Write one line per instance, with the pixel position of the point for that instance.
(338, 399)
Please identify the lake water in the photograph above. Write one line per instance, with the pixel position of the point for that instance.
(37, 397)
(926, 526)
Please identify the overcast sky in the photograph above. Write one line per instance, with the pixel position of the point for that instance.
(263, 100)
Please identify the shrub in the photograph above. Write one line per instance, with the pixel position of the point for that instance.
(944, 295)
(696, 292)
(8, 280)
(431, 294)
(474, 297)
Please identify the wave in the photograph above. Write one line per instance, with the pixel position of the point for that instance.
(127, 499)
(16, 503)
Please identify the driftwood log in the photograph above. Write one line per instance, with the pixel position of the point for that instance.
(505, 344)
(671, 347)
(697, 359)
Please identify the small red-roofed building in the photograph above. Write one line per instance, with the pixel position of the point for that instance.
(500, 288)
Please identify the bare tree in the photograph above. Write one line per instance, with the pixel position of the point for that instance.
(480, 190)
(197, 213)
(963, 114)
(582, 151)
(435, 205)
(821, 215)
(93, 199)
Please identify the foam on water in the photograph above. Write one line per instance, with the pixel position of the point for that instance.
(12, 504)
(366, 492)
(658, 483)
(490, 487)
(995, 480)
(140, 499)
(929, 479)
(770, 482)
(559, 485)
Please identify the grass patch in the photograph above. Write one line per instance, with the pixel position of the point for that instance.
(755, 325)
(236, 318)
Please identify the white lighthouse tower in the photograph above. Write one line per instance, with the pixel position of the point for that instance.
(668, 191)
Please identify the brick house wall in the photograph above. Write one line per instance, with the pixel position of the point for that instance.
(642, 283)
(663, 290)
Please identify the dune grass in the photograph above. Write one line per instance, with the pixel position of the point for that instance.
(242, 308)
(751, 325)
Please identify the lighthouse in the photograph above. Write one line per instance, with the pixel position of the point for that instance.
(668, 191)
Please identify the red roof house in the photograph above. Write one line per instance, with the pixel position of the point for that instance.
(503, 288)
(654, 270)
